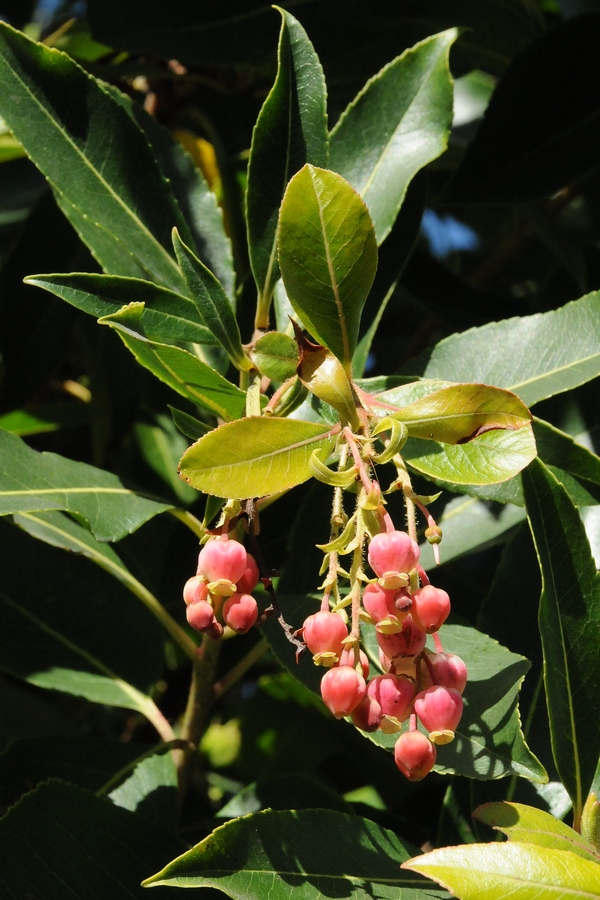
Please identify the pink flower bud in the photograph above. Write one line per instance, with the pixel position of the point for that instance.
(367, 715)
(324, 633)
(414, 755)
(195, 589)
(249, 580)
(406, 644)
(395, 695)
(342, 689)
(200, 615)
(392, 555)
(439, 709)
(430, 607)
(240, 612)
(222, 560)
(347, 659)
(380, 605)
(449, 670)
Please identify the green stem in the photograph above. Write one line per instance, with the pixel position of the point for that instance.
(190, 521)
(240, 669)
(197, 713)
(253, 394)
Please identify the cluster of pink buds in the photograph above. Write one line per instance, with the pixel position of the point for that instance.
(417, 684)
(221, 591)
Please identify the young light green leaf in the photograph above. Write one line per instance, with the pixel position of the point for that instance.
(112, 191)
(181, 370)
(276, 356)
(276, 852)
(398, 123)
(212, 303)
(53, 640)
(507, 353)
(569, 622)
(492, 457)
(496, 871)
(31, 481)
(327, 256)
(166, 315)
(254, 456)
(290, 131)
(528, 825)
(461, 412)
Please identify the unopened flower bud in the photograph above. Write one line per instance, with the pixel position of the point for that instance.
(367, 715)
(240, 612)
(324, 633)
(414, 755)
(439, 709)
(448, 669)
(342, 689)
(195, 589)
(200, 615)
(395, 695)
(430, 607)
(249, 580)
(222, 560)
(392, 555)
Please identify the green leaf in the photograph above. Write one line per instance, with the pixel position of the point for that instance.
(569, 622)
(161, 445)
(285, 791)
(166, 316)
(187, 424)
(39, 418)
(181, 370)
(398, 123)
(254, 456)
(212, 303)
(523, 871)
(151, 791)
(507, 354)
(277, 852)
(112, 191)
(492, 457)
(85, 847)
(102, 645)
(489, 743)
(528, 825)
(43, 481)
(290, 131)
(276, 356)
(327, 256)
(461, 412)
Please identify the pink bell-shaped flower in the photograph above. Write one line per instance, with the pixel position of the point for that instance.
(439, 709)
(414, 755)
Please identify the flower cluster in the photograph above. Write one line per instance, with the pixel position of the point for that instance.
(416, 683)
(221, 591)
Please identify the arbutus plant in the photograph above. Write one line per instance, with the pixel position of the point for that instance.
(258, 317)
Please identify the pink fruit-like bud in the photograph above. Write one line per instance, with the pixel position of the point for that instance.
(347, 659)
(406, 644)
(200, 615)
(222, 560)
(414, 755)
(195, 589)
(367, 715)
(249, 580)
(391, 556)
(439, 709)
(240, 612)
(449, 670)
(342, 689)
(430, 607)
(380, 605)
(324, 633)
(395, 695)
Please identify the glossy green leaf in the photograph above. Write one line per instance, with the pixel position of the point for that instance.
(107, 648)
(61, 841)
(188, 425)
(507, 354)
(166, 316)
(276, 356)
(290, 131)
(112, 191)
(151, 791)
(327, 256)
(492, 457)
(254, 456)
(181, 370)
(569, 622)
(43, 481)
(523, 871)
(277, 852)
(489, 743)
(461, 412)
(398, 123)
(212, 303)
(528, 825)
